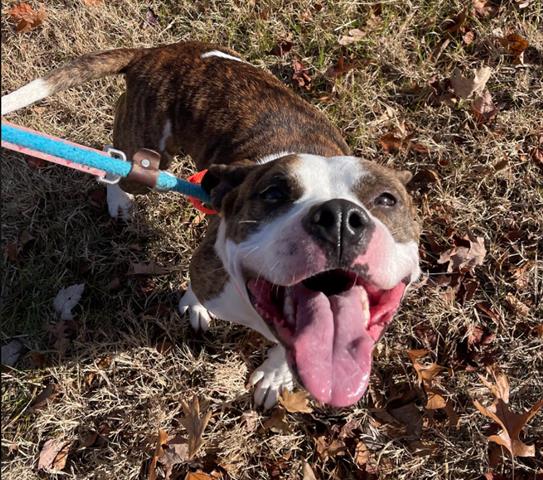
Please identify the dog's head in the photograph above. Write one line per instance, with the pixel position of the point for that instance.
(323, 249)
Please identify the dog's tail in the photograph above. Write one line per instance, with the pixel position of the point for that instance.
(81, 70)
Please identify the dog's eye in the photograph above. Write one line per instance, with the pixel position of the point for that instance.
(273, 194)
(386, 199)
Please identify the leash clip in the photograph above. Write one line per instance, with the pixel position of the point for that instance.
(110, 178)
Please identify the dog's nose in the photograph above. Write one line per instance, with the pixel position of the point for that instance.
(340, 224)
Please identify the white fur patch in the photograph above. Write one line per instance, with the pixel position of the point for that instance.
(199, 316)
(24, 96)
(325, 178)
(166, 133)
(119, 202)
(219, 54)
(272, 157)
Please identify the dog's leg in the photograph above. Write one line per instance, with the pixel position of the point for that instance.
(199, 316)
(119, 202)
(271, 378)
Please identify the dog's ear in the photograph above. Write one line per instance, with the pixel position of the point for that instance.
(220, 180)
(405, 176)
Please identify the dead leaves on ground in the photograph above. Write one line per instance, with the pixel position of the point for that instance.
(295, 402)
(25, 17)
(510, 422)
(53, 455)
(172, 450)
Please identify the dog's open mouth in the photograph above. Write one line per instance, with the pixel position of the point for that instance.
(329, 324)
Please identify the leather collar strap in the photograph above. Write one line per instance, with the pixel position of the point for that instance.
(145, 167)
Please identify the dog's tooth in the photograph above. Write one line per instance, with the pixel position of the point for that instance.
(288, 308)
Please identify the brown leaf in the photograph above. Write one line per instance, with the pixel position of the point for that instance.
(25, 17)
(464, 87)
(517, 306)
(468, 37)
(466, 255)
(150, 268)
(361, 454)
(485, 8)
(483, 108)
(331, 449)
(159, 452)
(277, 423)
(340, 68)
(175, 451)
(50, 392)
(515, 45)
(354, 36)
(307, 472)
(392, 144)
(456, 24)
(195, 424)
(198, 475)
(53, 455)
(409, 415)
(425, 372)
(283, 47)
(295, 402)
(300, 75)
(512, 423)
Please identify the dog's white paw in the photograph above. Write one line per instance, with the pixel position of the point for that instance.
(199, 316)
(271, 378)
(119, 202)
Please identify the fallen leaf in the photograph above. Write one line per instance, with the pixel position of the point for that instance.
(281, 48)
(456, 24)
(150, 268)
(25, 17)
(295, 402)
(11, 352)
(354, 36)
(340, 68)
(307, 472)
(483, 108)
(485, 8)
(195, 424)
(517, 306)
(425, 372)
(511, 423)
(277, 422)
(391, 143)
(300, 75)
(48, 393)
(468, 37)
(66, 299)
(151, 18)
(515, 44)
(361, 454)
(466, 255)
(331, 449)
(198, 475)
(159, 452)
(464, 87)
(53, 455)
(422, 179)
(175, 451)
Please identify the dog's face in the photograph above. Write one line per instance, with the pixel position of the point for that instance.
(323, 249)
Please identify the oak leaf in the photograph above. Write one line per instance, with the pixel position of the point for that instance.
(464, 87)
(515, 44)
(354, 36)
(53, 455)
(199, 475)
(195, 423)
(25, 17)
(511, 423)
(300, 75)
(295, 402)
(467, 254)
(159, 452)
(483, 108)
(277, 422)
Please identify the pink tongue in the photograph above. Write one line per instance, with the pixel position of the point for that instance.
(332, 348)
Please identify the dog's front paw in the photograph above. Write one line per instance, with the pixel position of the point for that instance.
(119, 202)
(271, 378)
(199, 316)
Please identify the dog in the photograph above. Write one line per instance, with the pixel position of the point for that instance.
(312, 247)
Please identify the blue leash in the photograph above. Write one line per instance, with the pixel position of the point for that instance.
(28, 141)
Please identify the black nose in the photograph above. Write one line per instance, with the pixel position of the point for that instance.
(340, 225)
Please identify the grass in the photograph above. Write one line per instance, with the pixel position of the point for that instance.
(116, 377)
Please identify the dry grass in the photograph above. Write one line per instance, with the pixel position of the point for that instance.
(113, 379)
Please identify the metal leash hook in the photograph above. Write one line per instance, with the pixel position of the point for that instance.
(110, 178)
